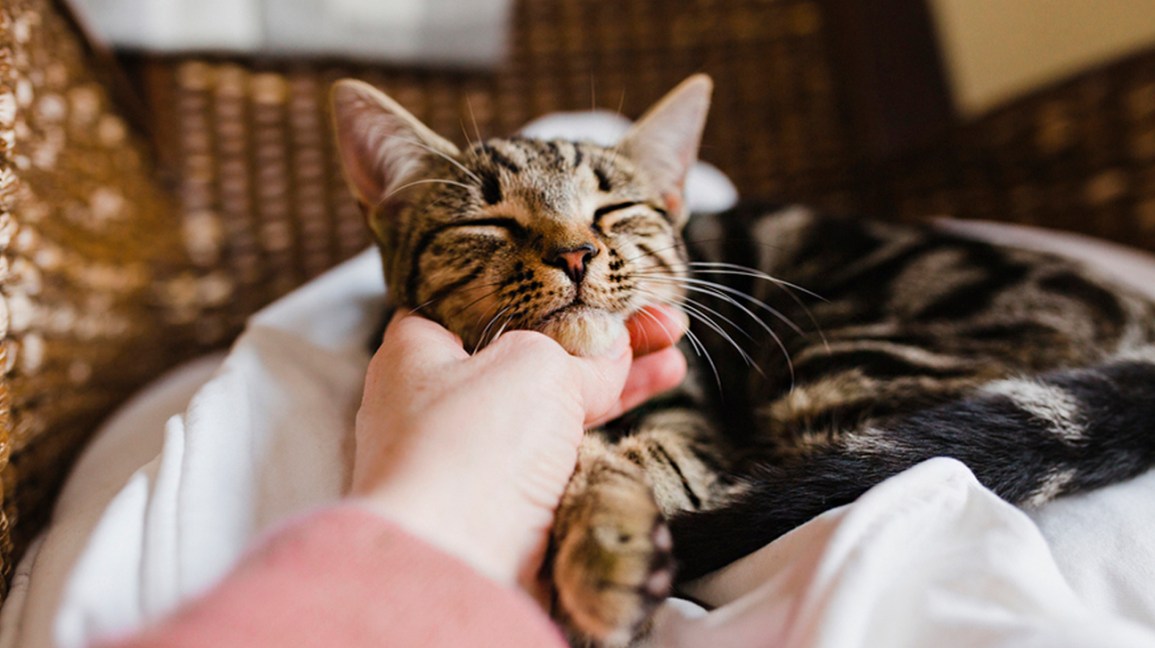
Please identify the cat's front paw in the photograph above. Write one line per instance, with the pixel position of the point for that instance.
(614, 564)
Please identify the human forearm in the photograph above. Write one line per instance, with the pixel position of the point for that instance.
(347, 577)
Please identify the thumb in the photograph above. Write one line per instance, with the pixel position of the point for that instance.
(602, 379)
(418, 339)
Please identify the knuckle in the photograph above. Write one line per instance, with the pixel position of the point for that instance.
(534, 344)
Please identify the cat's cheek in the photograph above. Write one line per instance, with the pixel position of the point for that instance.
(588, 334)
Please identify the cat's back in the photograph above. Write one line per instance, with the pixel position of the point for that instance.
(874, 317)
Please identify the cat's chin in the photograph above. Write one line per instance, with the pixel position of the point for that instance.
(585, 332)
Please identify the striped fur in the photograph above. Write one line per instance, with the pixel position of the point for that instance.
(1030, 369)
(1033, 371)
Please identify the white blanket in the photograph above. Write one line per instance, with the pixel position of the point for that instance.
(156, 512)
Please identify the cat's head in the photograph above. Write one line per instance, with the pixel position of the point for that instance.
(566, 238)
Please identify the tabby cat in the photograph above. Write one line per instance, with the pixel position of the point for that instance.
(1032, 370)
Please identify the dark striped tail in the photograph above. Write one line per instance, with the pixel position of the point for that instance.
(1028, 440)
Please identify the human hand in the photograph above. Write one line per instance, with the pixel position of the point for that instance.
(472, 453)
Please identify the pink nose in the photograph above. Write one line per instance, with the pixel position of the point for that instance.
(572, 260)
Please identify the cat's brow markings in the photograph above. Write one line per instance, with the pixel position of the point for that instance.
(604, 183)
(491, 188)
(602, 211)
(500, 159)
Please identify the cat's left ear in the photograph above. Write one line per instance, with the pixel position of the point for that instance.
(381, 145)
(664, 142)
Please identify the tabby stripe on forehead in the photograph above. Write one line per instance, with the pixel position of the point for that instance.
(604, 183)
(555, 151)
(577, 156)
(500, 159)
(602, 211)
(663, 213)
(490, 188)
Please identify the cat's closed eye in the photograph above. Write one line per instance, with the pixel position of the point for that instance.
(508, 225)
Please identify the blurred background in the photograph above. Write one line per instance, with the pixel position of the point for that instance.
(166, 167)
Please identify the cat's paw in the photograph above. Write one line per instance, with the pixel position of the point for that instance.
(614, 565)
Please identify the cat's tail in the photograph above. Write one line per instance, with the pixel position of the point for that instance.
(1028, 440)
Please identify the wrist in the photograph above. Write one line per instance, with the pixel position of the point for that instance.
(442, 524)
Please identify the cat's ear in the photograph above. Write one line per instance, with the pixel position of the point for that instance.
(380, 144)
(664, 142)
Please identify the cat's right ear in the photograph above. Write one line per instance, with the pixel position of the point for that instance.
(380, 144)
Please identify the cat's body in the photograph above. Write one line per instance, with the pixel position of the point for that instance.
(910, 343)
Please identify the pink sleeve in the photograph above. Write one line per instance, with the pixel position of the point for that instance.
(347, 577)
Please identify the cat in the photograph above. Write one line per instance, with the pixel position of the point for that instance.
(827, 353)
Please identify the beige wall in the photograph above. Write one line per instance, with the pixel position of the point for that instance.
(997, 49)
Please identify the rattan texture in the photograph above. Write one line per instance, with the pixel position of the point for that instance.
(92, 268)
(1078, 155)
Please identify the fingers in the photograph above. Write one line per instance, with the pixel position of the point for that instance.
(602, 379)
(608, 384)
(649, 376)
(413, 338)
(656, 327)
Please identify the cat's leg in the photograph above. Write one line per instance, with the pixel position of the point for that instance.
(613, 553)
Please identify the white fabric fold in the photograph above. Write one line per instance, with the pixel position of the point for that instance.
(927, 558)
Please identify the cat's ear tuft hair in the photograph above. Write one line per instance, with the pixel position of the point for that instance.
(664, 142)
(381, 145)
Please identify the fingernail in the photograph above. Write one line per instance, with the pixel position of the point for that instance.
(683, 318)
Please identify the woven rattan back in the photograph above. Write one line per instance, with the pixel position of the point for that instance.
(92, 269)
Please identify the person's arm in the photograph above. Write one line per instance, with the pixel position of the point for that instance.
(348, 577)
(459, 463)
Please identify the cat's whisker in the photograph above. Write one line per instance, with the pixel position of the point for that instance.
(440, 154)
(473, 119)
(500, 329)
(725, 293)
(695, 314)
(700, 312)
(617, 147)
(786, 287)
(418, 308)
(721, 268)
(727, 269)
(703, 313)
(718, 329)
(418, 182)
(469, 143)
(481, 339)
(694, 343)
(735, 269)
(491, 293)
(655, 320)
(761, 324)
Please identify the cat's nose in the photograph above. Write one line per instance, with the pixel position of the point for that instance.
(572, 260)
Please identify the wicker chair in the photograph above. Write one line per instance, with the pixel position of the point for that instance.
(128, 245)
